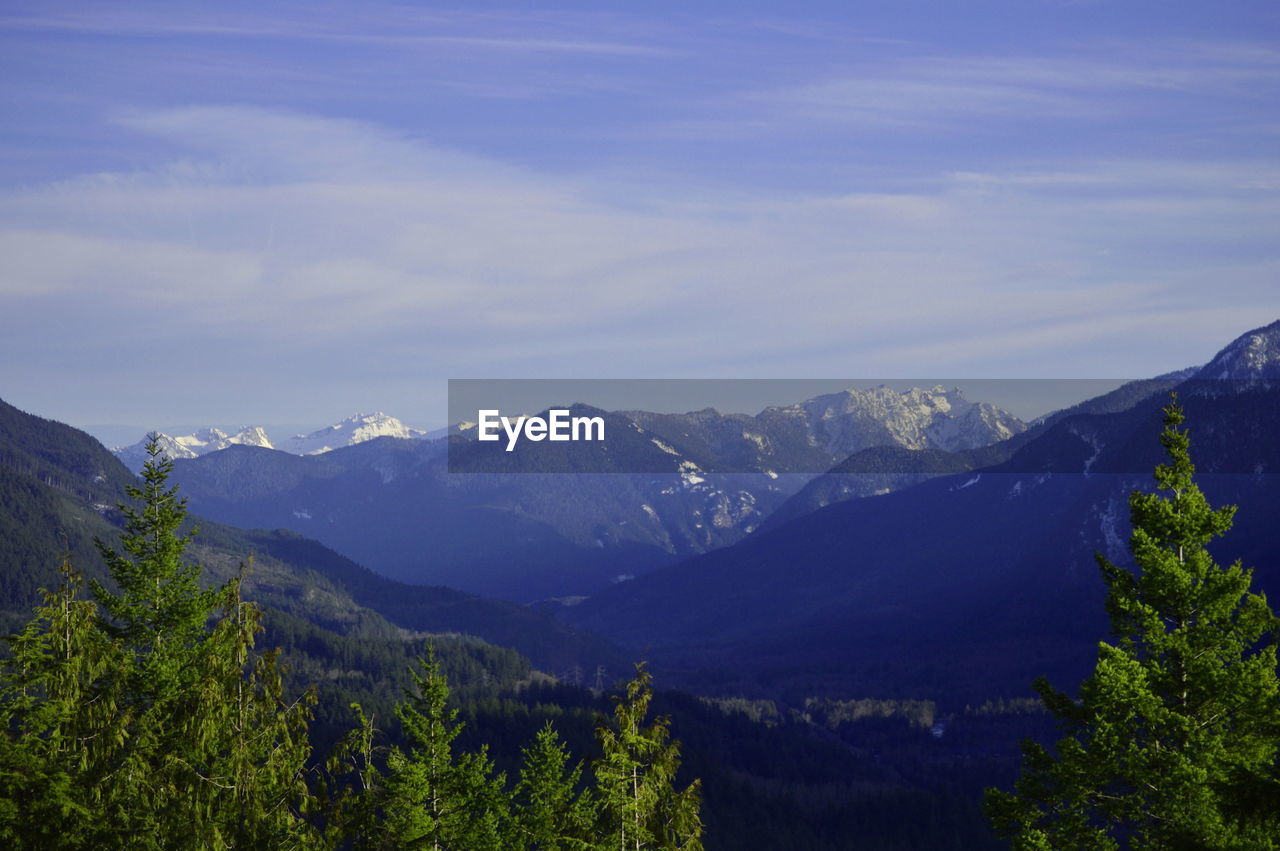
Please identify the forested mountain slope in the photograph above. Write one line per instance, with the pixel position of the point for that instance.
(58, 491)
(964, 586)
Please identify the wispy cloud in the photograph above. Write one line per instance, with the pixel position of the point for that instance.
(288, 232)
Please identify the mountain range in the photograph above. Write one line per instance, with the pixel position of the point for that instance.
(355, 429)
(813, 435)
(547, 521)
(968, 564)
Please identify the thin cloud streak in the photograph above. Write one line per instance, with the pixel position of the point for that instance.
(919, 91)
(258, 28)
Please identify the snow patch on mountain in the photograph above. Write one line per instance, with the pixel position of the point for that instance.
(1252, 356)
(664, 447)
(936, 418)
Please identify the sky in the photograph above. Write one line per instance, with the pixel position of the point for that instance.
(259, 213)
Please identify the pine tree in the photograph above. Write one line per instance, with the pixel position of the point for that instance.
(149, 727)
(550, 814)
(640, 807)
(160, 611)
(1173, 742)
(251, 744)
(60, 706)
(428, 797)
(352, 785)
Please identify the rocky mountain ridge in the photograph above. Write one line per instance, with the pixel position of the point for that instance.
(561, 519)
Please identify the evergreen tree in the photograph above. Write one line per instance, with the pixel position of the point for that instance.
(251, 745)
(429, 797)
(549, 813)
(640, 807)
(352, 786)
(160, 612)
(149, 727)
(60, 708)
(1173, 741)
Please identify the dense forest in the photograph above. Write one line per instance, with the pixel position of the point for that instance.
(143, 717)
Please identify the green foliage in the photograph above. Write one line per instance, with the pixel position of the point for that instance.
(1173, 742)
(133, 722)
(61, 707)
(426, 796)
(432, 797)
(549, 813)
(160, 612)
(427, 793)
(640, 807)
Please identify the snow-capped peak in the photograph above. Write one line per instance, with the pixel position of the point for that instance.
(353, 430)
(253, 436)
(193, 445)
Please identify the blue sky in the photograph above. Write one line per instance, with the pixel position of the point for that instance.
(291, 212)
